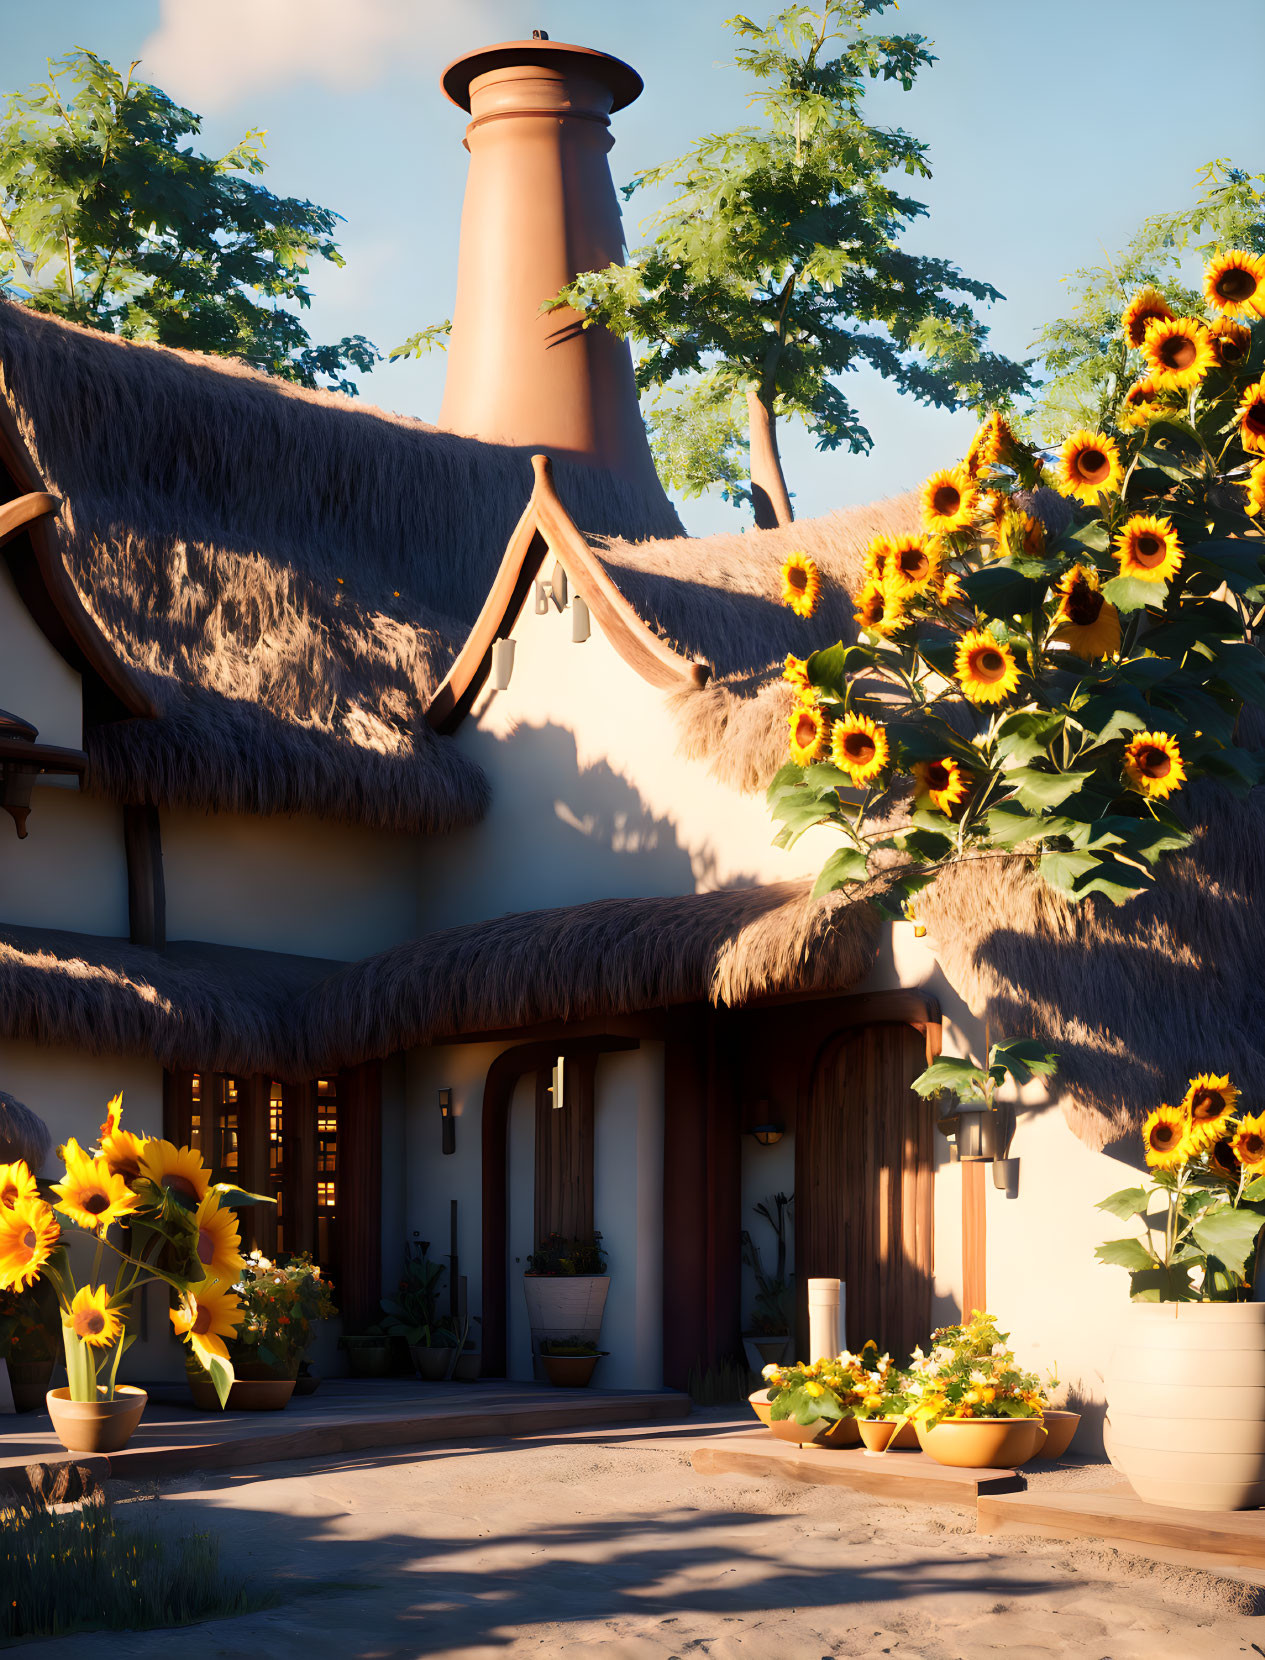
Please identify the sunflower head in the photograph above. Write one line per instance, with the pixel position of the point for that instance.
(1255, 504)
(1179, 352)
(1234, 283)
(1147, 305)
(1021, 535)
(859, 747)
(206, 1319)
(28, 1237)
(219, 1240)
(949, 500)
(1230, 342)
(16, 1182)
(120, 1149)
(1249, 1144)
(1147, 547)
(880, 609)
(176, 1170)
(1209, 1102)
(943, 782)
(1153, 764)
(911, 565)
(874, 561)
(994, 445)
(796, 673)
(801, 583)
(1089, 466)
(1252, 418)
(92, 1195)
(809, 733)
(1141, 404)
(986, 669)
(1088, 624)
(91, 1319)
(1165, 1136)
(1220, 1155)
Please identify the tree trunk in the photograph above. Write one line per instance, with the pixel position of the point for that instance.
(768, 488)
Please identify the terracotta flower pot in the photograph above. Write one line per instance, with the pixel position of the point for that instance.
(98, 1426)
(826, 1432)
(982, 1443)
(1060, 1427)
(569, 1371)
(255, 1394)
(1186, 1404)
(906, 1438)
(877, 1433)
(29, 1381)
(759, 1402)
(430, 1362)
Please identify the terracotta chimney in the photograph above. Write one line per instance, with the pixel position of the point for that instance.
(539, 207)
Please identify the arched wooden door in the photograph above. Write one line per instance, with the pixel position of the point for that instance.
(863, 1185)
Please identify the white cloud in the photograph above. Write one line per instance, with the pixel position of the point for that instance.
(209, 53)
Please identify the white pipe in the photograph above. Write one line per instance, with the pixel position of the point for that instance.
(825, 1318)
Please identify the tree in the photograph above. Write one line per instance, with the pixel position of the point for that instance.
(105, 220)
(1089, 364)
(776, 267)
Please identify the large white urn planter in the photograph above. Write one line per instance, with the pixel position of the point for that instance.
(1186, 1404)
(560, 1306)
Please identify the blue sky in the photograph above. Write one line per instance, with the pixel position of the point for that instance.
(1053, 131)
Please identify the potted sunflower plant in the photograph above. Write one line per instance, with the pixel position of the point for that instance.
(1191, 1346)
(153, 1208)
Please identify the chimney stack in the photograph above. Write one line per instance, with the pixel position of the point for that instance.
(540, 206)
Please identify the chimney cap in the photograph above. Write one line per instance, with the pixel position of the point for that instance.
(622, 79)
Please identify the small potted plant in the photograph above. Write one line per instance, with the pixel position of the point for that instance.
(565, 1284)
(819, 1401)
(569, 1362)
(278, 1306)
(973, 1405)
(368, 1352)
(413, 1314)
(768, 1334)
(884, 1418)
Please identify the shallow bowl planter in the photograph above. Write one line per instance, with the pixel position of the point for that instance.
(98, 1426)
(888, 1435)
(569, 1371)
(982, 1443)
(1186, 1404)
(759, 1402)
(826, 1432)
(267, 1393)
(430, 1361)
(29, 1381)
(1060, 1427)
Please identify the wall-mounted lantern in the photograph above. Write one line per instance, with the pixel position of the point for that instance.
(557, 1089)
(975, 1131)
(502, 664)
(558, 586)
(448, 1124)
(768, 1135)
(21, 762)
(579, 621)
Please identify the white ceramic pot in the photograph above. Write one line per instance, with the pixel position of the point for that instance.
(1186, 1404)
(560, 1306)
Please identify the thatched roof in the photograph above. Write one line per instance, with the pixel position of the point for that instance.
(23, 1134)
(290, 572)
(239, 1011)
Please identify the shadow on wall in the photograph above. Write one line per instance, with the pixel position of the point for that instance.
(582, 832)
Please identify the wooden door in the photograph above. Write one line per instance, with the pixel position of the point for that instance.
(863, 1186)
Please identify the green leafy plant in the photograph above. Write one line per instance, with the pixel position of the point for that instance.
(1203, 1207)
(778, 265)
(107, 218)
(773, 1309)
(1021, 1059)
(556, 1256)
(280, 1303)
(847, 1386)
(414, 1310)
(970, 1372)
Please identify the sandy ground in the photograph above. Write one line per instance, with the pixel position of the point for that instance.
(610, 1545)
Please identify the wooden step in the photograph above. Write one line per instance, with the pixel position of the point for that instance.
(911, 1476)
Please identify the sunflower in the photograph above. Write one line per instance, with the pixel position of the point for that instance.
(1234, 283)
(1140, 405)
(1022, 535)
(28, 1237)
(948, 586)
(207, 1319)
(92, 1195)
(1209, 1102)
(1252, 418)
(1249, 1143)
(177, 1170)
(1166, 1135)
(944, 782)
(1144, 308)
(219, 1241)
(1179, 351)
(809, 734)
(986, 669)
(801, 584)
(91, 1319)
(1153, 764)
(1256, 490)
(1089, 625)
(1147, 547)
(949, 500)
(1091, 465)
(879, 609)
(120, 1149)
(874, 560)
(1220, 1155)
(992, 446)
(796, 673)
(859, 747)
(1230, 342)
(16, 1182)
(911, 565)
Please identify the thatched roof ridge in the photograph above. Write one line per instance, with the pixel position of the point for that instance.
(230, 1010)
(290, 572)
(23, 1134)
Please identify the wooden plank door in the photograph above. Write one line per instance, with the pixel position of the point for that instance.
(863, 1186)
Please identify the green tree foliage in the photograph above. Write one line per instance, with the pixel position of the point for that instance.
(1088, 366)
(106, 220)
(776, 266)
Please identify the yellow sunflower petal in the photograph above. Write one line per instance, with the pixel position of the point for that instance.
(809, 734)
(28, 1237)
(949, 500)
(1252, 418)
(859, 747)
(1088, 624)
(1146, 306)
(17, 1182)
(92, 1195)
(1256, 490)
(1089, 466)
(1147, 547)
(880, 609)
(1165, 1135)
(986, 670)
(219, 1240)
(1179, 351)
(944, 782)
(1209, 1103)
(1234, 283)
(178, 1170)
(801, 583)
(1249, 1143)
(91, 1319)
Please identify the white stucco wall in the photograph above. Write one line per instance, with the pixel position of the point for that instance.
(628, 1210)
(71, 870)
(36, 682)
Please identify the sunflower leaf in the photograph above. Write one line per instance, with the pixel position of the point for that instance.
(923, 843)
(845, 866)
(1131, 593)
(1035, 789)
(1129, 1201)
(1161, 1285)
(1116, 881)
(1127, 1253)
(1024, 1059)
(950, 1072)
(1062, 870)
(1229, 1234)
(1003, 592)
(231, 1197)
(830, 667)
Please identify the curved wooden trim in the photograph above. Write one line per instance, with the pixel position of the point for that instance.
(547, 527)
(44, 757)
(33, 555)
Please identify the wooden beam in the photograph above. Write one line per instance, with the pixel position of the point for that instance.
(146, 887)
(359, 1209)
(974, 1238)
(685, 1145)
